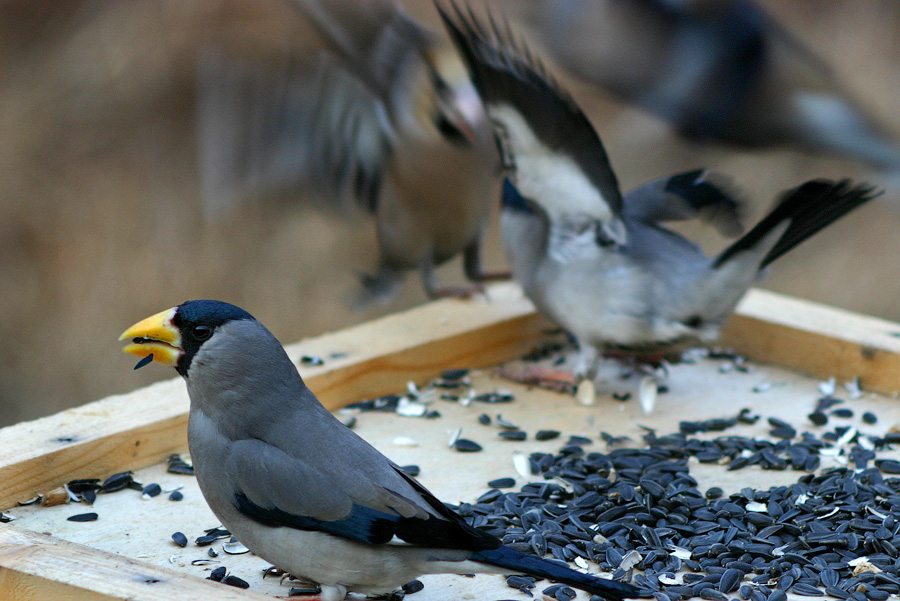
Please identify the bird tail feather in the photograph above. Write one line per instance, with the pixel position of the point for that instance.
(518, 562)
(810, 208)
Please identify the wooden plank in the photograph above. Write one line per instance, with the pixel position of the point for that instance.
(138, 429)
(141, 428)
(37, 567)
(816, 339)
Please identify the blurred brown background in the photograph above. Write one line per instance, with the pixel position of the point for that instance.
(100, 222)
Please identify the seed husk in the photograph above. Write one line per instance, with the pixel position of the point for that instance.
(412, 587)
(217, 574)
(464, 445)
(83, 517)
(232, 580)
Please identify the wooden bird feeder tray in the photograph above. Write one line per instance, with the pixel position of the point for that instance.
(784, 337)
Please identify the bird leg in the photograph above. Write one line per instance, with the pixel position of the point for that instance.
(557, 380)
(474, 270)
(637, 359)
(435, 291)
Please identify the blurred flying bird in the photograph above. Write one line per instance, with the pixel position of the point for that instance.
(299, 488)
(723, 70)
(388, 120)
(604, 267)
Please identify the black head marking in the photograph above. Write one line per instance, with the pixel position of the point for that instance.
(197, 321)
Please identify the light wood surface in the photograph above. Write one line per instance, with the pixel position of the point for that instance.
(143, 427)
(139, 429)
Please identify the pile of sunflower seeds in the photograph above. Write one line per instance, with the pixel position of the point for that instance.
(628, 510)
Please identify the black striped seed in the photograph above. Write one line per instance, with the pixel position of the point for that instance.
(83, 517)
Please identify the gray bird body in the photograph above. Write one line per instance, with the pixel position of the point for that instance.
(388, 120)
(295, 485)
(265, 435)
(644, 290)
(636, 296)
(722, 70)
(658, 293)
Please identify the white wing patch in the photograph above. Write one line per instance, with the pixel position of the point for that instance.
(551, 179)
(567, 243)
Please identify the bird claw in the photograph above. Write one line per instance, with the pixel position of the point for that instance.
(543, 377)
(464, 292)
(494, 276)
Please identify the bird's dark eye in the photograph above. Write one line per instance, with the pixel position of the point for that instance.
(201, 332)
(450, 131)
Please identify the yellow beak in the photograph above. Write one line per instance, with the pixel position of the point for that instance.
(156, 335)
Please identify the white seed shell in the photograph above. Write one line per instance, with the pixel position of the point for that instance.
(405, 441)
(586, 393)
(647, 393)
(235, 547)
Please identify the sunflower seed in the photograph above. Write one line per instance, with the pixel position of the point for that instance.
(502, 483)
(180, 539)
(234, 547)
(412, 587)
(232, 580)
(464, 445)
(83, 517)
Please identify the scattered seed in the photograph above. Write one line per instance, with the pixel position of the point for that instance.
(647, 393)
(150, 491)
(405, 441)
(303, 592)
(178, 466)
(505, 423)
(714, 493)
(842, 412)
(311, 360)
(502, 483)
(83, 517)
(827, 387)
(484, 419)
(546, 434)
(869, 418)
(180, 539)
(232, 580)
(217, 574)
(412, 587)
(818, 418)
(513, 435)
(464, 445)
(586, 393)
(176, 495)
(411, 470)
(234, 547)
(116, 482)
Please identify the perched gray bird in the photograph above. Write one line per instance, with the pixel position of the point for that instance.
(716, 69)
(389, 119)
(299, 488)
(647, 292)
